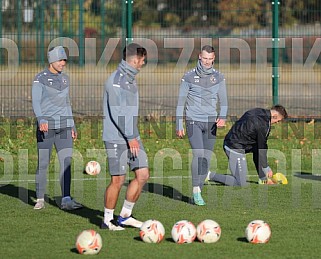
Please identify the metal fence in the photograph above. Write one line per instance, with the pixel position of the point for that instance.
(268, 51)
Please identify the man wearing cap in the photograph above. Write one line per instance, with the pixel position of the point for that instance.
(201, 90)
(55, 126)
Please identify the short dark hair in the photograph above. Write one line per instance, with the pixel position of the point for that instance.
(208, 49)
(134, 49)
(280, 109)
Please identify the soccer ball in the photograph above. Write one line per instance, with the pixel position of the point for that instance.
(183, 231)
(208, 231)
(88, 242)
(93, 168)
(152, 231)
(258, 232)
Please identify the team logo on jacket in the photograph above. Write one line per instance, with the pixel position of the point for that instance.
(64, 80)
(213, 79)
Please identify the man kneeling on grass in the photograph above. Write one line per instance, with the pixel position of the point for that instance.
(249, 135)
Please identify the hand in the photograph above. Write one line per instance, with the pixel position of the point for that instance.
(220, 123)
(270, 181)
(43, 127)
(180, 133)
(267, 181)
(74, 134)
(134, 147)
(269, 174)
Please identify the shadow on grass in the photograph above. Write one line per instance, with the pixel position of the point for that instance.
(74, 250)
(94, 216)
(29, 196)
(242, 239)
(166, 191)
(307, 176)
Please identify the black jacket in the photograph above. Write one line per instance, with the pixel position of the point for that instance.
(250, 134)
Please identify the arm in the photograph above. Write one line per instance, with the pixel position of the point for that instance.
(36, 105)
(222, 95)
(73, 130)
(183, 92)
(260, 156)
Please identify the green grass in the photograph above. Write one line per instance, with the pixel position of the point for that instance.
(293, 210)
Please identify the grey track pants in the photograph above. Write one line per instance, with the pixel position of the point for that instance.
(62, 140)
(202, 136)
(238, 168)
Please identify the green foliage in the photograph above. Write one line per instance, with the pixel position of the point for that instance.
(108, 23)
(236, 13)
(155, 13)
(171, 19)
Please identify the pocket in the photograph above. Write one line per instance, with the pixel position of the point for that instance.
(214, 129)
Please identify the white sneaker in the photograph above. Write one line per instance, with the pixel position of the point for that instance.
(70, 205)
(40, 204)
(111, 225)
(129, 221)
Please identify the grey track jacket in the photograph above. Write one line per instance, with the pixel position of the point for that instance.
(50, 99)
(201, 95)
(120, 105)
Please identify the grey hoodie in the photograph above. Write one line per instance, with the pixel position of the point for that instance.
(120, 105)
(200, 91)
(50, 99)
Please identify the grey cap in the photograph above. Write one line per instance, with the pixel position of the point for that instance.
(56, 54)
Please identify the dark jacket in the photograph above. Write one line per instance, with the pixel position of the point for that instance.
(250, 134)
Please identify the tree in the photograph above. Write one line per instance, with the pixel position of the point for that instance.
(235, 13)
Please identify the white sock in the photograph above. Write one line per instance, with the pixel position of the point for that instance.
(126, 211)
(196, 189)
(108, 215)
(42, 199)
(65, 199)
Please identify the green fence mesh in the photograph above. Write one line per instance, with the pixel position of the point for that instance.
(95, 31)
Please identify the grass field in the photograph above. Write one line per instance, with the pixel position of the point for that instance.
(293, 210)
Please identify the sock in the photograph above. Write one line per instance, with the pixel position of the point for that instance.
(65, 199)
(108, 215)
(210, 175)
(126, 211)
(196, 189)
(42, 199)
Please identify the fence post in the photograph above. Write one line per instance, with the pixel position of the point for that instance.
(1, 33)
(81, 32)
(42, 33)
(19, 25)
(275, 51)
(60, 18)
(129, 37)
(123, 23)
(102, 23)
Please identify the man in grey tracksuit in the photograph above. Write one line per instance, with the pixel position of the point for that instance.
(55, 126)
(201, 90)
(121, 137)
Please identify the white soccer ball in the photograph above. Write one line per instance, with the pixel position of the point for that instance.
(152, 231)
(88, 242)
(183, 231)
(93, 168)
(258, 232)
(208, 231)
